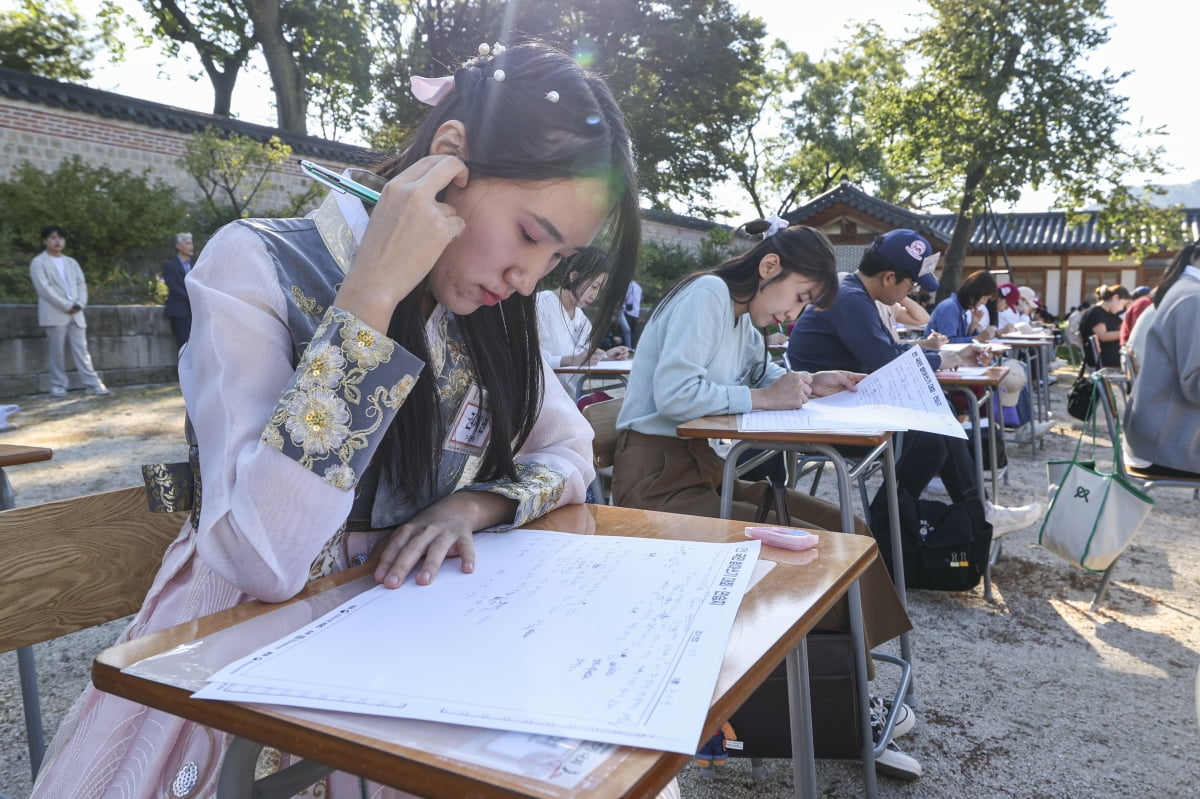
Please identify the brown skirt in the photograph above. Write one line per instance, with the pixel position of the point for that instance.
(679, 475)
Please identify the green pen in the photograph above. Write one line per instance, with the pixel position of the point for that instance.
(339, 182)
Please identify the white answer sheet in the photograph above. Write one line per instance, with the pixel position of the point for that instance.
(903, 394)
(610, 639)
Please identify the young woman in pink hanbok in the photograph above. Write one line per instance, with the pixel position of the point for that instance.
(367, 380)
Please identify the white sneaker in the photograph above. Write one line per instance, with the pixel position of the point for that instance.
(894, 763)
(1057, 363)
(1005, 520)
(1041, 428)
(881, 709)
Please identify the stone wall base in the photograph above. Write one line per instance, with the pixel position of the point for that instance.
(130, 344)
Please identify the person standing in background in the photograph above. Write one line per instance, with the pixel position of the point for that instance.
(178, 308)
(627, 320)
(62, 296)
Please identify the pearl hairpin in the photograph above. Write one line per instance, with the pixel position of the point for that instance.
(552, 96)
(498, 75)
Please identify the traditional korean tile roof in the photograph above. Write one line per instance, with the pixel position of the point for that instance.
(1045, 231)
(82, 99)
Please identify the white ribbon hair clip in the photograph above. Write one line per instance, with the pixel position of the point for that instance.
(430, 91)
(776, 224)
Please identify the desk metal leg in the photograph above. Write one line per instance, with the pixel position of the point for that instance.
(989, 399)
(30, 698)
(976, 433)
(7, 501)
(890, 485)
(796, 669)
(804, 766)
(237, 774)
(31, 701)
(858, 635)
(1040, 393)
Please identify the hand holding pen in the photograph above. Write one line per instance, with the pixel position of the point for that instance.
(788, 392)
(408, 220)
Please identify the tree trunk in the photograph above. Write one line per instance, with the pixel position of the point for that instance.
(964, 225)
(291, 105)
(223, 83)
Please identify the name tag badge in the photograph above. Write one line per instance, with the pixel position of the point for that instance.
(472, 424)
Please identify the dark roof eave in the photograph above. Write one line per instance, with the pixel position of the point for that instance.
(1042, 231)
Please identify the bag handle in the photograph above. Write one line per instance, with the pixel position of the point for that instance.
(1111, 411)
(1091, 418)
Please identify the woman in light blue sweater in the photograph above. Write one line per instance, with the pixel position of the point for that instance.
(701, 354)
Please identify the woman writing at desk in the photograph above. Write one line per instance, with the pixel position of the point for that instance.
(564, 330)
(368, 380)
(701, 354)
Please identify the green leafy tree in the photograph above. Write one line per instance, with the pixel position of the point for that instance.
(661, 265)
(218, 31)
(52, 39)
(1004, 101)
(679, 69)
(833, 124)
(754, 148)
(317, 52)
(108, 216)
(231, 170)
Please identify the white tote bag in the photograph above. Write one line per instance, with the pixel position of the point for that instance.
(1093, 515)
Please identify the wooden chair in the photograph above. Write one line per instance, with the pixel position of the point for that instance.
(1145, 480)
(602, 416)
(74, 564)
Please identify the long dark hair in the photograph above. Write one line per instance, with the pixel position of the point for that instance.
(978, 285)
(1185, 258)
(580, 269)
(801, 249)
(514, 132)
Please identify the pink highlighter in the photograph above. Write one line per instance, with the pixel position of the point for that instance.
(784, 537)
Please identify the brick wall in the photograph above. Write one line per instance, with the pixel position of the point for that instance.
(45, 136)
(130, 344)
(671, 235)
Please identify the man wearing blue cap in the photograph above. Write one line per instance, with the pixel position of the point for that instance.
(850, 335)
(844, 334)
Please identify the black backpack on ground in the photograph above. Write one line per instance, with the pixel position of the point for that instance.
(946, 546)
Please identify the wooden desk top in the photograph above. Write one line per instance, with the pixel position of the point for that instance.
(607, 367)
(15, 454)
(992, 377)
(775, 614)
(726, 426)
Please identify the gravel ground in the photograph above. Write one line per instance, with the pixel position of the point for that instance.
(1034, 696)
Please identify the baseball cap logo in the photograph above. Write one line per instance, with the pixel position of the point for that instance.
(916, 248)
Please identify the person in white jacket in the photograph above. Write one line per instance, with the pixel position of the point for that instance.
(62, 295)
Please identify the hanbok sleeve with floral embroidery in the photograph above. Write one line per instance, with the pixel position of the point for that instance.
(280, 446)
(554, 467)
